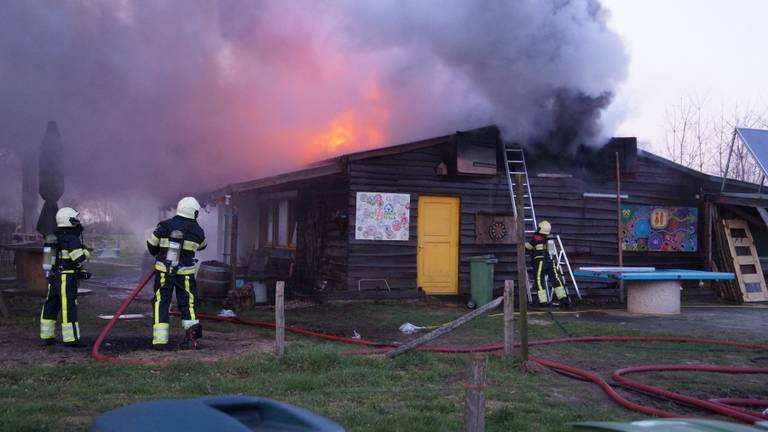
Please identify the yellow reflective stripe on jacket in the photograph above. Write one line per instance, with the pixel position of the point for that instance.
(203, 244)
(540, 246)
(72, 254)
(187, 270)
(153, 240)
(165, 242)
(75, 254)
(190, 245)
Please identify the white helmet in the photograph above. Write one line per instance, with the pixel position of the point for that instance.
(545, 228)
(188, 207)
(66, 217)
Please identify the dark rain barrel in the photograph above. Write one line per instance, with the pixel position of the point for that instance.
(213, 279)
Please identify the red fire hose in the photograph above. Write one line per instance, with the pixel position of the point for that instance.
(720, 408)
(107, 328)
(726, 406)
(98, 356)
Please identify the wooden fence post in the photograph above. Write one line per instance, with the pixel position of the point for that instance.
(279, 319)
(509, 319)
(474, 399)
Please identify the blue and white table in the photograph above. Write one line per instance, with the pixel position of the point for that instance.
(651, 290)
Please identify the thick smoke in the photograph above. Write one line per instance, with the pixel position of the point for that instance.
(168, 97)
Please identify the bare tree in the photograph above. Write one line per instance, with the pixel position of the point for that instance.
(702, 141)
(680, 120)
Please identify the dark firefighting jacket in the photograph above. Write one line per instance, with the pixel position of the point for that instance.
(71, 252)
(193, 241)
(538, 246)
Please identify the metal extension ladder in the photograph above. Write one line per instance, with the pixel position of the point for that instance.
(514, 163)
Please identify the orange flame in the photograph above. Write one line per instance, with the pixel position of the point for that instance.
(351, 130)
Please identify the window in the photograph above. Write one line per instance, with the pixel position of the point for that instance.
(279, 223)
(282, 223)
(268, 238)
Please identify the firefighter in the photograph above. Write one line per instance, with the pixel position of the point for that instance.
(173, 244)
(544, 266)
(63, 271)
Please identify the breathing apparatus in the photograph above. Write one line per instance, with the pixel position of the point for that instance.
(174, 249)
(50, 254)
(551, 248)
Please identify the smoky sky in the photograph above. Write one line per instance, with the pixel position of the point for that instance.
(171, 97)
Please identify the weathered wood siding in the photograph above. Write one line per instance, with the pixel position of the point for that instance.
(588, 226)
(413, 173)
(328, 258)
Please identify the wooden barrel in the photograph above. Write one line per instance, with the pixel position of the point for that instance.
(29, 269)
(213, 279)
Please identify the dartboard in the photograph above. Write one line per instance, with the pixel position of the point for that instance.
(497, 231)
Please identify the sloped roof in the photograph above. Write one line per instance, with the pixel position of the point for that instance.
(692, 172)
(328, 167)
(337, 165)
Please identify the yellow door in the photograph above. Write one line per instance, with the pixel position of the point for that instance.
(437, 259)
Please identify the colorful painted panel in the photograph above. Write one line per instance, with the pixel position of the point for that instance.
(382, 216)
(659, 229)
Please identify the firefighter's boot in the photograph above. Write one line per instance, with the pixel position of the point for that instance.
(192, 337)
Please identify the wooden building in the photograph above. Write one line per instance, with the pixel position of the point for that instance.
(401, 221)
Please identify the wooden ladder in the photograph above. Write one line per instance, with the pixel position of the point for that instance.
(746, 263)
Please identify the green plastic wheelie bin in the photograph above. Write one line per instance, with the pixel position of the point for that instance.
(481, 279)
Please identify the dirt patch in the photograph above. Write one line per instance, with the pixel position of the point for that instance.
(20, 345)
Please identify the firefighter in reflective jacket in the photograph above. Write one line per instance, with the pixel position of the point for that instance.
(65, 253)
(173, 244)
(543, 265)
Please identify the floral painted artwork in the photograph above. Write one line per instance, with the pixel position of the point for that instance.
(659, 229)
(382, 216)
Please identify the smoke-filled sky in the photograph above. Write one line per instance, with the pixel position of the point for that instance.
(168, 97)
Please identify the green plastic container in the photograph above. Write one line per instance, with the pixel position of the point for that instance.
(481, 275)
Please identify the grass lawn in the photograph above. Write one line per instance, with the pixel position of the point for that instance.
(415, 392)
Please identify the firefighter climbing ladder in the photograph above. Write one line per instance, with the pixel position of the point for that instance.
(514, 164)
